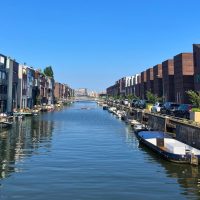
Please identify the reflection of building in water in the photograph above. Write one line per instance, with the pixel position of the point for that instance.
(187, 175)
(22, 141)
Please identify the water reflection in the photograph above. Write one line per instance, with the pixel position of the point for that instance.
(91, 155)
(188, 176)
(22, 141)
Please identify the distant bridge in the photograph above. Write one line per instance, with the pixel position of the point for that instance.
(85, 98)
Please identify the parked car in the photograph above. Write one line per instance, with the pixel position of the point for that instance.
(156, 107)
(136, 104)
(134, 101)
(183, 111)
(169, 108)
(125, 102)
(117, 101)
(142, 104)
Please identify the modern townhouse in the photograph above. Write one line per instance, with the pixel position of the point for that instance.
(50, 90)
(196, 60)
(63, 92)
(143, 85)
(12, 68)
(113, 90)
(137, 87)
(183, 76)
(30, 86)
(150, 79)
(157, 80)
(128, 83)
(22, 87)
(3, 84)
(168, 80)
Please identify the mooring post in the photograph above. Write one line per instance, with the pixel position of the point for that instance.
(166, 121)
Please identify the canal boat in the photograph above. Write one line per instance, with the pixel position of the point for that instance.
(112, 109)
(133, 122)
(120, 113)
(169, 148)
(105, 107)
(139, 127)
(124, 116)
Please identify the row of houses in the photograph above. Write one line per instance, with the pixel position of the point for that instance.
(22, 86)
(62, 92)
(169, 80)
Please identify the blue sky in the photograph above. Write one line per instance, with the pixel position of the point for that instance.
(92, 43)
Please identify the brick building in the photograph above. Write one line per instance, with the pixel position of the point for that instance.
(150, 78)
(113, 90)
(12, 70)
(137, 86)
(143, 85)
(157, 83)
(168, 80)
(196, 57)
(183, 76)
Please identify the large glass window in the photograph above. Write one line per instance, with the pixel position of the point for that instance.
(3, 89)
(2, 75)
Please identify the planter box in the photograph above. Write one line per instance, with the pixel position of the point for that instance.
(195, 116)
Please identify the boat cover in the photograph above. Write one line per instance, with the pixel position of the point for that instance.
(153, 134)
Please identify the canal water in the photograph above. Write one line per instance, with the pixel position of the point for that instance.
(86, 154)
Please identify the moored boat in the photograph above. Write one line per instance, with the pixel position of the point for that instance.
(105, 107)
(133, 122)
(112, 109)
(120, 113)
(169, 148)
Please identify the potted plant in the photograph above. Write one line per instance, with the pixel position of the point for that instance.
(195, 100)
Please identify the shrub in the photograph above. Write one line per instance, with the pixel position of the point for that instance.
(152, 98)
(196, 109)
(194, 98)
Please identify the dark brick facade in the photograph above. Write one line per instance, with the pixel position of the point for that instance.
(168, 80)
(183, 76)
(137, 87)
(143, 85)
(150, 78)
(196, 57)
(157, 73)
(113, 90)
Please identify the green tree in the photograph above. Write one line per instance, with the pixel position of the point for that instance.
(48, 71)
(152, 98)
(131, 97)
(194, 98)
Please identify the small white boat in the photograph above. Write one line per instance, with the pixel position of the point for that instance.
(120, 113)
(105, 107)
(112, 109)
(134, 122)
(169, 148)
